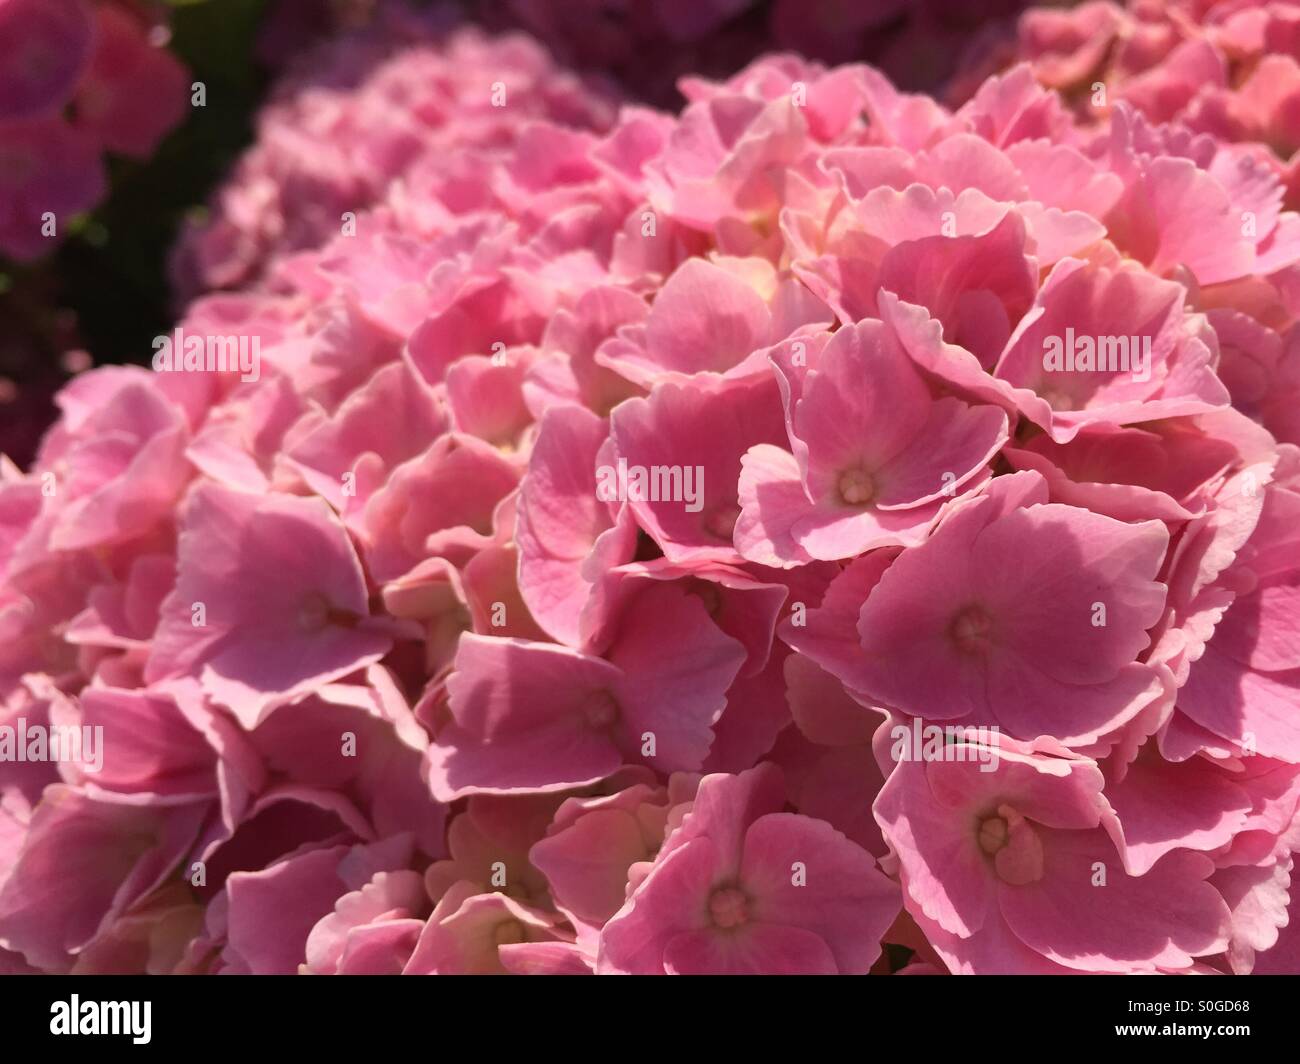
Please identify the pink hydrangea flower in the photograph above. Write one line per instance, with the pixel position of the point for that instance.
(744, 888)
(871, 467)
(996, 616)
(278, 568)
(1012, 870)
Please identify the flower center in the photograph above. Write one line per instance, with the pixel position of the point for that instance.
(600, 709)
(970, 630)
(993, 834)
(856, 487)
(728, 907)
(1013, 845)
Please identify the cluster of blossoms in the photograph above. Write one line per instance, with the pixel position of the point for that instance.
(368, 108)
(390, 105)
(732, 541)
(1227, 68)
(78, 79)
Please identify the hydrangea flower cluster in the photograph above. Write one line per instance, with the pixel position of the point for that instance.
(391, 103)
(79, 79)
(734, 541)
(1228, 69)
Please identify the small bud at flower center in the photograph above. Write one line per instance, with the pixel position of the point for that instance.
(970, 630)
(856, 487)
(600, 709)
(993, 834)
(728, 907)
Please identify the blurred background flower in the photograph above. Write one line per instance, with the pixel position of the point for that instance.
(97, 128)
